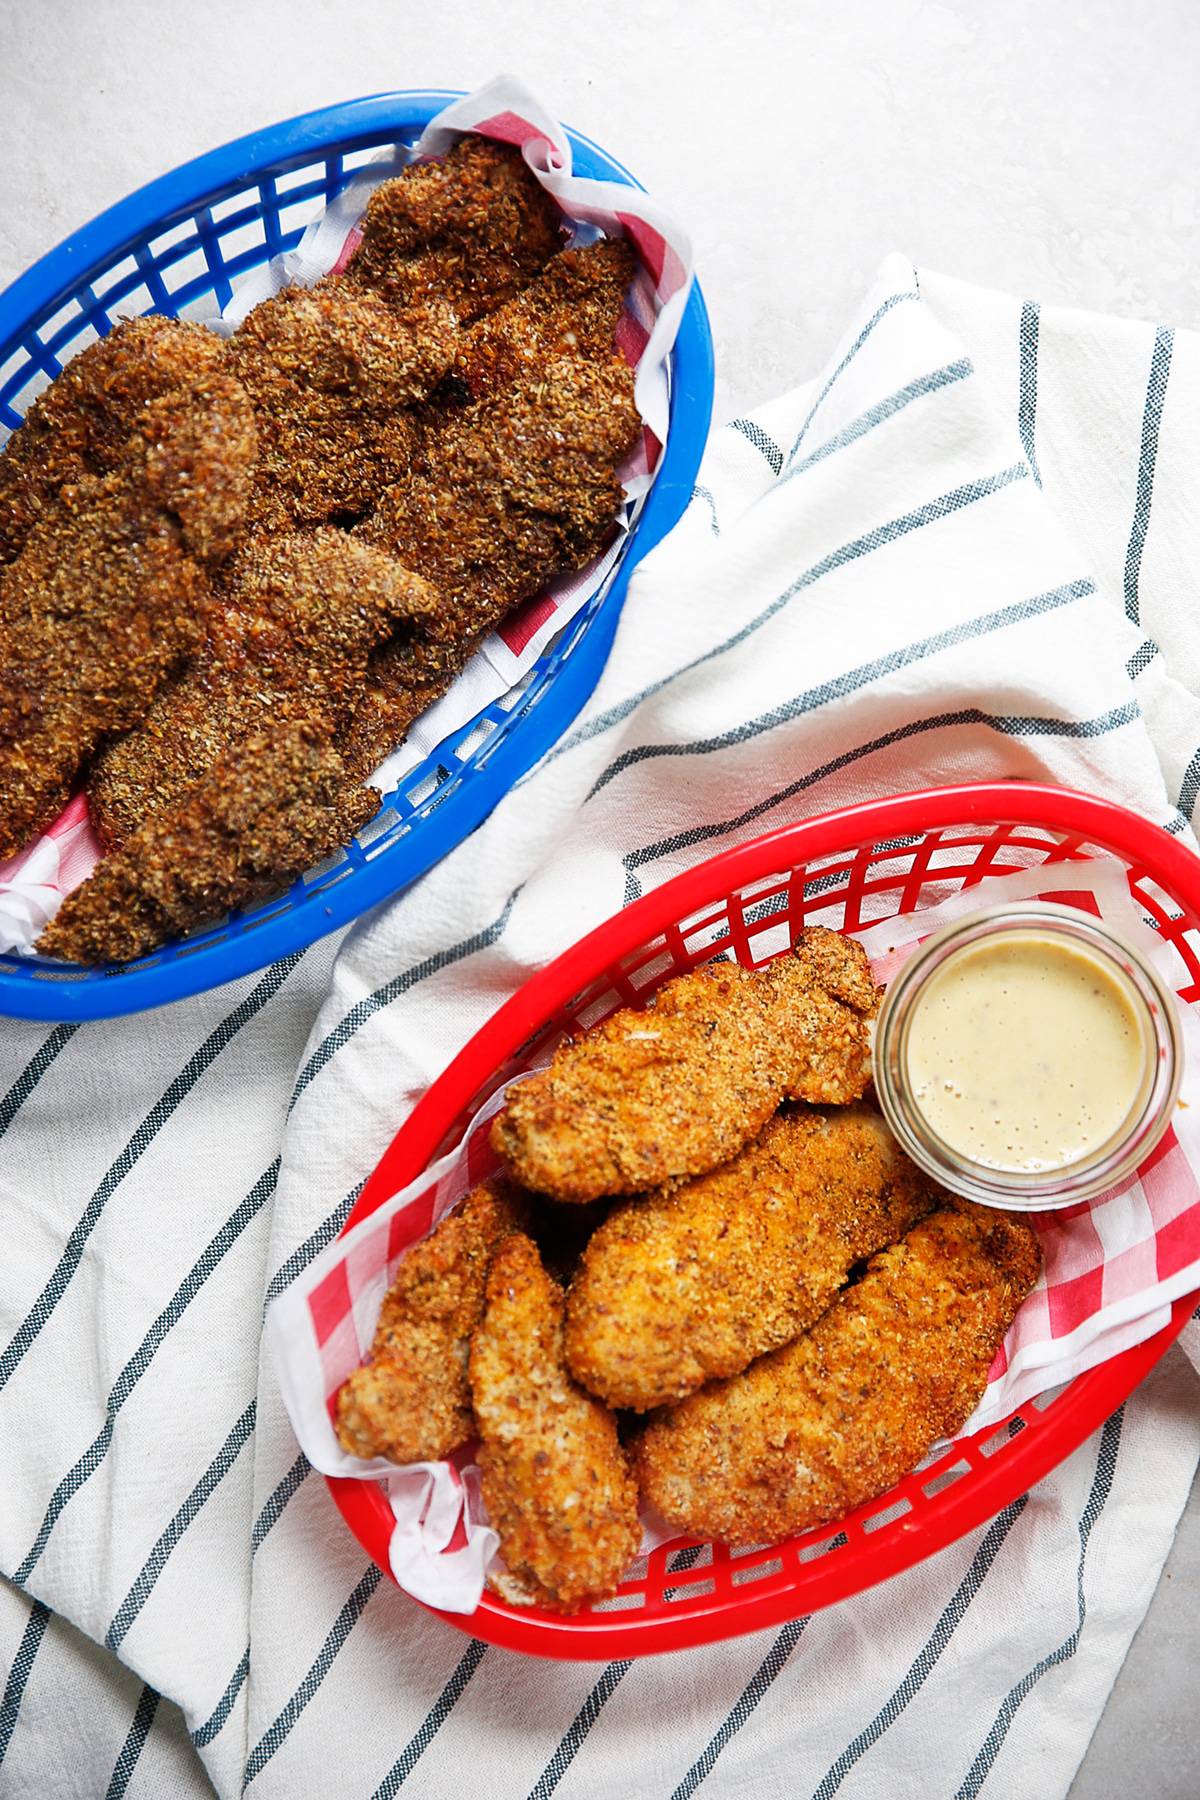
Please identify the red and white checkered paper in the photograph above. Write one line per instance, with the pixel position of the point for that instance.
(34, 883)
(1112, 1266)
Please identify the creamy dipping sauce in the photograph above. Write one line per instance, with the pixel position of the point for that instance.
(1027, 1053)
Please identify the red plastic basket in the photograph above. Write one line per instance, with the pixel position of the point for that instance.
(846, 870)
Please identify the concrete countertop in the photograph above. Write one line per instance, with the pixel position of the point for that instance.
(1046, 150)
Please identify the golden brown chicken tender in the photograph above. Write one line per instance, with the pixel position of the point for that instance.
(648, 1097)
(80, 425)
(555, 1480)
(273, 805)
(472, 229)
(411, 1400)
(109, 594)
(687, 1285)
(898, 1362)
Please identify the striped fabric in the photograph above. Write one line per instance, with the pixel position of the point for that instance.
(964, 550)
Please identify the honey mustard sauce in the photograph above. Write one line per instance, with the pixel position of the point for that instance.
(1026, 1053)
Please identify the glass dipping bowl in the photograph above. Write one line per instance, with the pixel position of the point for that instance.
(1097, 1170)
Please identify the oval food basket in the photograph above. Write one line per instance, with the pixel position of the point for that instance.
(176, 244)
(845, 870)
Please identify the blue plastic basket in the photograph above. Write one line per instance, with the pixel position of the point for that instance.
(167, 249)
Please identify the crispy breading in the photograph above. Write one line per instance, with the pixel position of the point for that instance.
(555, 1481)
(411, 1400)
(299, 616)
(273, 805)
(684, 1286)
(513, 490)
(571, 309)
(333, 372)
(647, 1097)
(470, 229)
(405, 675)
(106, 598)
(81, 424)
(898, 1362)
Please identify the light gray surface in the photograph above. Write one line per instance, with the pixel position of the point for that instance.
(1146, 1742)
(1044, 149)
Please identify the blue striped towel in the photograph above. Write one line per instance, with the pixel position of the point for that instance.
(966, 550)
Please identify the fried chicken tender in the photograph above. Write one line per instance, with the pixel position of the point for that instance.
(411, 1400)
(472, 229)
(571, 309)
(80, 425)
(648, 1097)
(404, 678)
(898, 1362)
(299, 616)
(332, 372)
(688, 1285)
(555, 1480)
(109, 594)
(273, 805)
(511, 491)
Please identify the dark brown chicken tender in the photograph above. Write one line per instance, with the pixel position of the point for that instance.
(510, 492)
(470, 229)
(898, 1362)
(81, 424)
(272, 806)
(411, 1400)
(298, 618)
(647, 1097)
(109, 594)
(333, 372)
(570, 310)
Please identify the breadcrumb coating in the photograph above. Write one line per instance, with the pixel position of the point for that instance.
(272, 806)
(555, 1480)
(333, 374)
(107, 599)
(470, 229)
(570, 310)
(512, 491)
(411, 1400)
(80, 425)
(685, 1286)
(811, 1431)
(648, 1097)
(299, 616)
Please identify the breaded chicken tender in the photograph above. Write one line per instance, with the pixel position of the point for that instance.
(471, 229)
(333, 372)
(80, 425)
(648, 1097)
(299, 616)
(511, 491)
(110, 591)
(688, 1285)
(555, 1480)
(898, 1362)
(570, 310)
(411, 1400)
(276, 803)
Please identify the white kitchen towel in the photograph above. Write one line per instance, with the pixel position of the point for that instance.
(963, 551)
